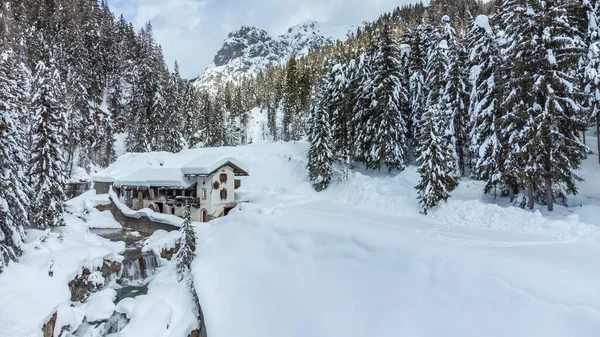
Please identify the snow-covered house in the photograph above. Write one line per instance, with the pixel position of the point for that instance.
(161, 181)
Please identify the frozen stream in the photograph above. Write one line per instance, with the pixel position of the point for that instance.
(136, 272)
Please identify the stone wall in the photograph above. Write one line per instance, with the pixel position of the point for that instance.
(141, 224)
(102, 188)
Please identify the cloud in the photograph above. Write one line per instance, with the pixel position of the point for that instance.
(192, 31)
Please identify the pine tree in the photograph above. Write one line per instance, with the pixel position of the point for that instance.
(361, 98)
(486, 141)
(456, 103)
(320, 154)
(46, 171)
(420, 40)
(386, 129)
(143, 98)
(292, 104)
(173, 125)
(436, 162)
(191, 108)
(13, 182)
(333, 97)
(592, 66)
(435, 74)
(187, 244)
(543, 52)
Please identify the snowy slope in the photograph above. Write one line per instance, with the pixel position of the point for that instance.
(355, 260)
(359, 260)
(249, 50)
(29, 295)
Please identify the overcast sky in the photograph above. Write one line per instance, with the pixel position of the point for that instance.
(191, 31)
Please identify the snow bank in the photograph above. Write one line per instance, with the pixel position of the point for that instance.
(474, 213)
(79, 175)
(67, 315)
(167, 311)
(126, 306)
(160, 241)
(99, 306)
(150, 317)
(29, 295)
(84, 207)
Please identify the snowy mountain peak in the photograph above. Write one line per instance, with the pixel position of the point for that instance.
(247, 41)
(312, 35)
(249, 49)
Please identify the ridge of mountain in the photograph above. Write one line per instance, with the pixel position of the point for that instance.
(249, 50)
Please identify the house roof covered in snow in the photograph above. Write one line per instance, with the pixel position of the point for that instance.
(205, 165)
(165, 169)
(156, 177)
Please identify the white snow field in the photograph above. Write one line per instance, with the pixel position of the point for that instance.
(359, 260)
(355, 260)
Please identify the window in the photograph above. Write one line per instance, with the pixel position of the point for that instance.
(223, 177)
(224, 194)
(204, 193)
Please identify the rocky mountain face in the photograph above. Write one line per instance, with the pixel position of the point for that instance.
(249, 50)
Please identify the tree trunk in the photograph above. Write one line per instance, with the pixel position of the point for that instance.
(511, 193)
(583, 137)
(530, 197)
(598, 136)
(548, 181)
(494, 191)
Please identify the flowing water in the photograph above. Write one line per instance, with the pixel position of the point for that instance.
(132, 281)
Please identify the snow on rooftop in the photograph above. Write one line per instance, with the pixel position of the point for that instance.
(208, 164)
(164, 169)
(160, 177)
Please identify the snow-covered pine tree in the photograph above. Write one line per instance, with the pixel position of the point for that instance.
(543, 51)
(187, 244)
(142, 100)
(361, 98)
(386, 124)
(436, 162)
(215, 121)
(435, 73)
(320, 154)
(191, 109)
(174, 121)
(484, 109)
(292, 105)
(333, 97)
(46, 170)
(420, 40)
(457, 97)
(592, 66)
(14, 101)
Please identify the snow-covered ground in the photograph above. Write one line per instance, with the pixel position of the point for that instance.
(359, 260)
(29, 295)
(355, 260)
